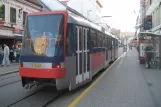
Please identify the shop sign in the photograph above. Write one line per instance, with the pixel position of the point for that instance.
(17, 31)
(5, 33)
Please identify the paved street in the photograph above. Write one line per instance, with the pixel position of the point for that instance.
(9, 69)
(126, 84)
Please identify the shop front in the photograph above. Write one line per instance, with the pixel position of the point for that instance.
(17, 34)
(145, 39)
(6, 37)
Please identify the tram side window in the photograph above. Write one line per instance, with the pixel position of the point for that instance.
(103, 40)
(80, 39)
(115, 43)
(88, 43)
(98, 39)
(106, 41)
(68, 42)
(110, 42)
(94, 39)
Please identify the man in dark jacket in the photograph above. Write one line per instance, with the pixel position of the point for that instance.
(149, 54)
(1, 54)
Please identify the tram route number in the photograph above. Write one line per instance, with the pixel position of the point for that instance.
(36, 65)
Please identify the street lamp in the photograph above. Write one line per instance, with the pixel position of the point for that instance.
(108, 27)
(105, 16)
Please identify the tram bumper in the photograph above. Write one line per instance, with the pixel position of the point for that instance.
(42, 73)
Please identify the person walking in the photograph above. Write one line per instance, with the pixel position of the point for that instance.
(6, 56)
(11, 56)
(148, 55)
(1, 54)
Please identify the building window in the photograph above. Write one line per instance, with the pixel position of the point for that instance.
(2, 12)
(24, 17)
(12, 15)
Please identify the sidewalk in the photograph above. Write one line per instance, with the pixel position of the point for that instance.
(125, 84)
(10, 69)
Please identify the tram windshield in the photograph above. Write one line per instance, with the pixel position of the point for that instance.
(44, 35)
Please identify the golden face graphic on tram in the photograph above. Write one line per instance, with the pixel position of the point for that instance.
(40, 45)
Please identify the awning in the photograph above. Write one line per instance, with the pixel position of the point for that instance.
(141, 35)
(19, 35)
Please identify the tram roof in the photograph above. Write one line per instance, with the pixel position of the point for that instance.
(73, 18)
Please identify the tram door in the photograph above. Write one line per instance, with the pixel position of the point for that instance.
(82, 55)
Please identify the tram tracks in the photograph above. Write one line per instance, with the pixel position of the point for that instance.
(9, 83)
(40, 98)
(43, 96)
(9, 80)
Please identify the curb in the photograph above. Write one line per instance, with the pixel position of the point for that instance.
(9, 72)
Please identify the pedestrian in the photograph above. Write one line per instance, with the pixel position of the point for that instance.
(1, 54)
(148, 55)
(12, 54)
(6, 56)
(131, 45)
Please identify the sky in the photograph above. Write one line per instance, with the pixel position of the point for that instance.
(122, 12)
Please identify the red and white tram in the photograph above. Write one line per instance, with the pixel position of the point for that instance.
(63, 49)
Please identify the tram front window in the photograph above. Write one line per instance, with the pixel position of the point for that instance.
(44, 36)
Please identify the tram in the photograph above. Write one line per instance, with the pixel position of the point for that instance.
(63, 49)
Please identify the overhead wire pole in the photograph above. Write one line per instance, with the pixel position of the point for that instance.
(105, 21)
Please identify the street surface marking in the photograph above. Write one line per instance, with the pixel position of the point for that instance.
(73, 104)
(120, 63)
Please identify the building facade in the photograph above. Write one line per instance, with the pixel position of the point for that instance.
(91, 9)
(154, 9)
(12, 18)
